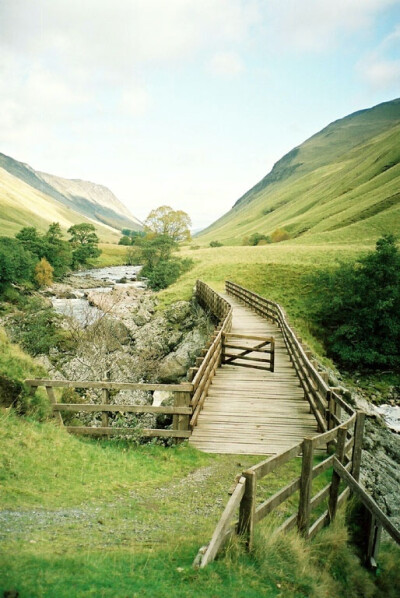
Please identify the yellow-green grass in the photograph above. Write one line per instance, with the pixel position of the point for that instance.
(334, 194)
(111, 255)
(22, 205)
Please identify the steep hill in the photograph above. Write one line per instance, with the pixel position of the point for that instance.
(341, 184)
(31, 197)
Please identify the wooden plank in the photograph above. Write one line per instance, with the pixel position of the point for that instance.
(321, 522)
(99, 431)
(223, 524)
(184, 387)
(367, 501)
(358, 440)
(269, 465)
(277, 499)
(122, 408)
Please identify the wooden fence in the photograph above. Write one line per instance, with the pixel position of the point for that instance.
(188, 397)
(344, 438)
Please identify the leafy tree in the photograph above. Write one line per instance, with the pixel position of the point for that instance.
(155, 249)
(44, 273)
(280, 234)
(357, 307)
(50, 246)
(168, 222)
(256, 238)
(16, 263)
(84, 241)
(125, 240)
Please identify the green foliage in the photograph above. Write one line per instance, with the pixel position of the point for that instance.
(15, 367)
(38, 330)
(280, 234)
(43, 273)
(85, 243)
(50, 246)
(256, 239)
(168, 222)
(165, 272)
(16, 263)
(125, 240)
(357, 308)
(215, 244)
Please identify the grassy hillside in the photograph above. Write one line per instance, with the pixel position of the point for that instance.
(340, 185)
(31, 198)
(21, 205)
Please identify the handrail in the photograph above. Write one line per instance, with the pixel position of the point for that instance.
(346, 437)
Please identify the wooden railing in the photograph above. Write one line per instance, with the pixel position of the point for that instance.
(180, 410)
(189, 397)
(344, 438)
(203, 374)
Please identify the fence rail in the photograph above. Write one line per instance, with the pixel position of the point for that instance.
(344, 438)
(188, 397)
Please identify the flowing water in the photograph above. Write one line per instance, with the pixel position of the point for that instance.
(79, 308)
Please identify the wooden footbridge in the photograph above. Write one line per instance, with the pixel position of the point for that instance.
(249, 408)
(255, 390)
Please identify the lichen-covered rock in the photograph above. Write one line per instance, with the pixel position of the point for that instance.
(176, 364)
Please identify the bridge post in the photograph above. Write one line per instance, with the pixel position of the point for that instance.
(181, 422)
(334, 491)
(357, 449)
(303, 515)
(247, 509)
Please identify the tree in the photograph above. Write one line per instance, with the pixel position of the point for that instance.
(125, 240)
(168, 222)
(50, 246)
(84, 241)
(16, 263)
(44, 273)
(357, 308)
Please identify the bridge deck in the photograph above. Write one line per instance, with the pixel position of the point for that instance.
(251, 411)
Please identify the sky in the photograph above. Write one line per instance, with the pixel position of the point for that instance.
(186, 103)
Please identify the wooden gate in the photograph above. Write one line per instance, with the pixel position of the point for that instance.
(249, 351)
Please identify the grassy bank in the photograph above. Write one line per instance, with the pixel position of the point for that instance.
(101, 518)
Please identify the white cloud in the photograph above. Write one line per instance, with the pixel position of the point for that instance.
(379, 73)
(134, 101)
(314, 25)
(226, 64)
(380, 69)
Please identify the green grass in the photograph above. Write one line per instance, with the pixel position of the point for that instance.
(101, 518)
(340, 185)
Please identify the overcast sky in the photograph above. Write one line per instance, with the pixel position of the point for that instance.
(185, 102)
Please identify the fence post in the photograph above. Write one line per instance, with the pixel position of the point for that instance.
(334, 491)
(272, 365)
(52, 398)
(357, 449)
(247, 509)
(373, 542)
(303, 516)
(105, 397)
(181, 422)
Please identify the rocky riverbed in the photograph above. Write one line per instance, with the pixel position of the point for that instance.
(117, 333)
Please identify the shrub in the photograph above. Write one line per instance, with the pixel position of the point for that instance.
(44, 273)
(215, 244)
(280, 234)
(357, 308)
(165, 272)
(16, 263)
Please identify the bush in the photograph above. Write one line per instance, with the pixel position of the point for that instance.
(16, 263)
(44, 273)
(280, 234)
(256, 239)
(165, 272)
(215, 244)
(357, 308)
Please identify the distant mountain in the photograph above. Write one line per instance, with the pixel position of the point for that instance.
(341, 185)
(28, 196)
